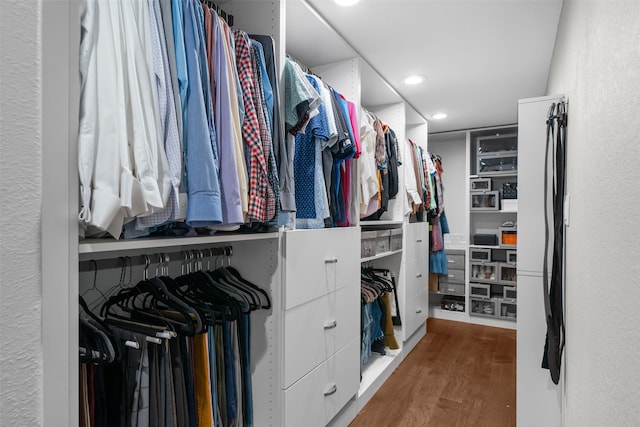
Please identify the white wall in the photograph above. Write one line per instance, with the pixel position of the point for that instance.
(20, 195)
(596, 64)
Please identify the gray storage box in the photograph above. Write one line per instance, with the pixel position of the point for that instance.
(367, 244)
(395, 239)
(382, 241)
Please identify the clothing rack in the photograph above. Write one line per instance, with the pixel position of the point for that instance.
(186, 256)
(304, 68)
(224, 15)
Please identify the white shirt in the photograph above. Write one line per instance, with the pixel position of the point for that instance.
(121, 160)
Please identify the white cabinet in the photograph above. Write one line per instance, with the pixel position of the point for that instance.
(413, 289)
(321, 323)
(539, 401)
(316, 330)
(317, 397)
(318, 262)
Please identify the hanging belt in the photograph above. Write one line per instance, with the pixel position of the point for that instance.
(553, 292)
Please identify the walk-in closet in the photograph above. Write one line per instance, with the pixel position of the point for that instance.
(239, 213)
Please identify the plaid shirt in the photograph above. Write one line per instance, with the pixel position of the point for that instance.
(258, 183)
(265, 135)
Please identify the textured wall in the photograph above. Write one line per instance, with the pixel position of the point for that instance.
(20, 194)
(597, 64)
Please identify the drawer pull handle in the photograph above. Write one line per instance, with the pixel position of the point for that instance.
(331, 325)
(419, 241)
(331, 261)
(451, 261)
(419, 310)
(451, 276)
(419, 275)
(451, 290)
(332, 390)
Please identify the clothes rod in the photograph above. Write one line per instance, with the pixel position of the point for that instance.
(156, 258)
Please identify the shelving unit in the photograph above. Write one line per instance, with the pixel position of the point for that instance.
(493, 172)
(461, 155)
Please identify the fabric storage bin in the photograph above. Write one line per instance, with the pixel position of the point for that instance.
(497, 164)
(395, 239)
(507, 309)
(485, 239)
(480, 254)
(382, 241)
(508, 237)
(485, 201)
(455, 259)
(484, 272)
(483, 307)
(451, 288)
(507, 274)
(479, 290)
(480, 184)
(454, 275)
(367, 244)
(510, 292)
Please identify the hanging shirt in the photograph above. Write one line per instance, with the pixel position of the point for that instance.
(310, 204)
(168, 121)
(265, 136)
(367, 162)
(256, 161)
(237, 113)
(305, 167)
(229, 142)
(410, 178)
(205, 205)
(282, 152)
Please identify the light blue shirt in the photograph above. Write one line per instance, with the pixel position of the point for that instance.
(205, 206)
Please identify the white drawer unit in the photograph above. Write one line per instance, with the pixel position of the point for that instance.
(319, 262)
(317, 329)
(414, 283)
(318, 396)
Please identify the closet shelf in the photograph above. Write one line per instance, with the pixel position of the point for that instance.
(95, 246)
(494, 212)
(379, 223)
(382, 255)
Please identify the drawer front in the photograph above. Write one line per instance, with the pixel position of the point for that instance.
(416, 241)
(454, 276)
(455, 261)
(319, 262)
(319, 395)
(316, 330)
(451, 288)
(416, 313)
(479, 290)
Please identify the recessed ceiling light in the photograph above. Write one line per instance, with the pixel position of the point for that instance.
(346, 2)
(439, 116)
(414, 79)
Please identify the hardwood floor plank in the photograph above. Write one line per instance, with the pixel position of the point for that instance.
(459, 374)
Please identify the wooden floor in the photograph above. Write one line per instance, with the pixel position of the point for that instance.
(459, 374)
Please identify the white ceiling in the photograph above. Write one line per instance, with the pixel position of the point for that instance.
(480, 56)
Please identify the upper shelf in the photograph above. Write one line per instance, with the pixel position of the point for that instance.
(379, 223)
(94, 246)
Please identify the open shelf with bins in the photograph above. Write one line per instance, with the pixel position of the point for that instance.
(491, 216)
